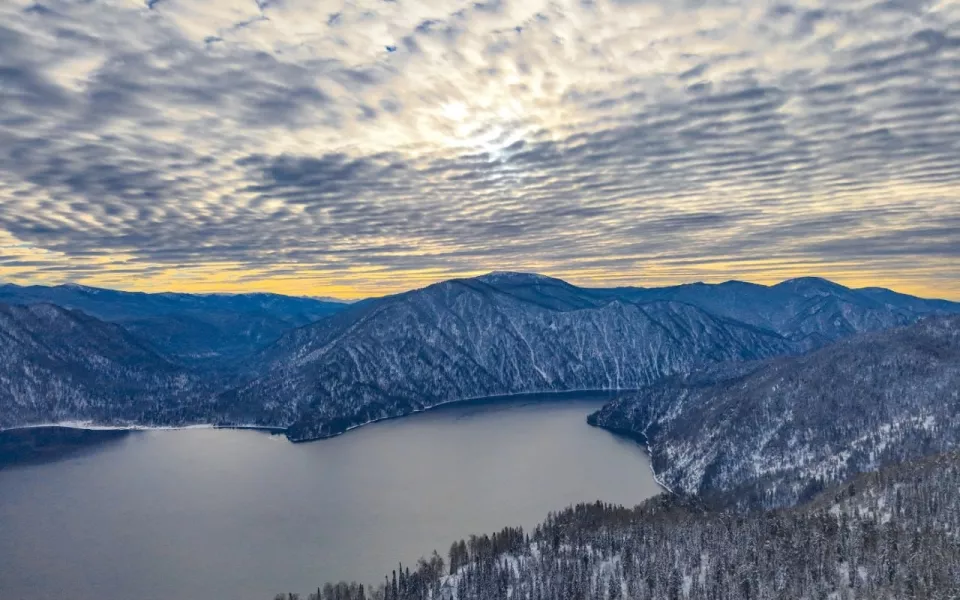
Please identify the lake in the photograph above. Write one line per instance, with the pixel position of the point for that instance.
(203, 513)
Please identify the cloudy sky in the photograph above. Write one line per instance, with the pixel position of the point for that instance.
(354, 148)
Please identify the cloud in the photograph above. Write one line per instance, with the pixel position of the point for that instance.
(234, 142)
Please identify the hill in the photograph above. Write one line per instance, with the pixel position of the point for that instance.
(781, 433)
(63, 365)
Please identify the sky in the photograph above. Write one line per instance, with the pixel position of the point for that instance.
(358, 148)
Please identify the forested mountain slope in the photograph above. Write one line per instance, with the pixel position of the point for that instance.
(62, 365)
(807, 310)
(885, 535)
(493, 335)
(501, 333)
(196, 329)
(778, 434)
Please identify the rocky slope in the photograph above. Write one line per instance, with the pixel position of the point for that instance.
(779, 434)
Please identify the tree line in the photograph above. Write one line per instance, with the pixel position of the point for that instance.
(891, 534)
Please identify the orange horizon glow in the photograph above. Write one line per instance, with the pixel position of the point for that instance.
(360, 285)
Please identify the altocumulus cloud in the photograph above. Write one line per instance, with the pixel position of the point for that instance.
(371, 144)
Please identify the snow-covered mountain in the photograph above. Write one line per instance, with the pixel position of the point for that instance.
(792, 425)
(502, 333)
(196, 329)
(497, 334)
(63, 365)
(808, 310)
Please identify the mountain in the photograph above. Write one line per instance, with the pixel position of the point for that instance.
(491, 335)
(319, 368)
(885, 535)
(809, 310)
(64, 365)
(904, 302)
(778, 434)
(203, 329)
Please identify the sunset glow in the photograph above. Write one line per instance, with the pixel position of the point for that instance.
(362, 148)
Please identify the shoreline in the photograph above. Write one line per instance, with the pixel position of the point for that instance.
(610, 393)
(605, 394)
(637, 437)
(641, 440)
(93, 426)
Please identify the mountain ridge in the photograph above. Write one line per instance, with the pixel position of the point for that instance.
(498, 334)
(318, 366)
(204, 330)
(58, 364)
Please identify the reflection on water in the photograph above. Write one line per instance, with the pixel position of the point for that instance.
(44, 444)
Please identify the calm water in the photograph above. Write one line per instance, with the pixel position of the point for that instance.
(185, 515)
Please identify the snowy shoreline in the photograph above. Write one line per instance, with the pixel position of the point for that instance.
(641, 440)
(532, 396)
(93, 426)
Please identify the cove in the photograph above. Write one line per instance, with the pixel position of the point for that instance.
(180, 515)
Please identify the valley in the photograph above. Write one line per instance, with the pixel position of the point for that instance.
(498, 334)
(480, 300)
(785, 417)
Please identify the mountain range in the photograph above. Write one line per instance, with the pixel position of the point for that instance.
(318, 368)
(508, 333)
(487, 336)
(208, 330)
(809, 432)
(808, 310)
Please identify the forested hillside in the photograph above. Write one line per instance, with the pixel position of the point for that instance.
(61, 365)
(493, 335)
(203, 330)
(501, 333)
(886, 535)
(788, 428)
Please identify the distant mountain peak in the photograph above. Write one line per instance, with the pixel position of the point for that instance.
(741, 283)
(812, 285)
(517, 277)
(330, 299)
(81, 288)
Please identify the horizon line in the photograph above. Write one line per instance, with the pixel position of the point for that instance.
(353, 299)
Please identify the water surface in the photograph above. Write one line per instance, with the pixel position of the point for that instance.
(184, 515)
